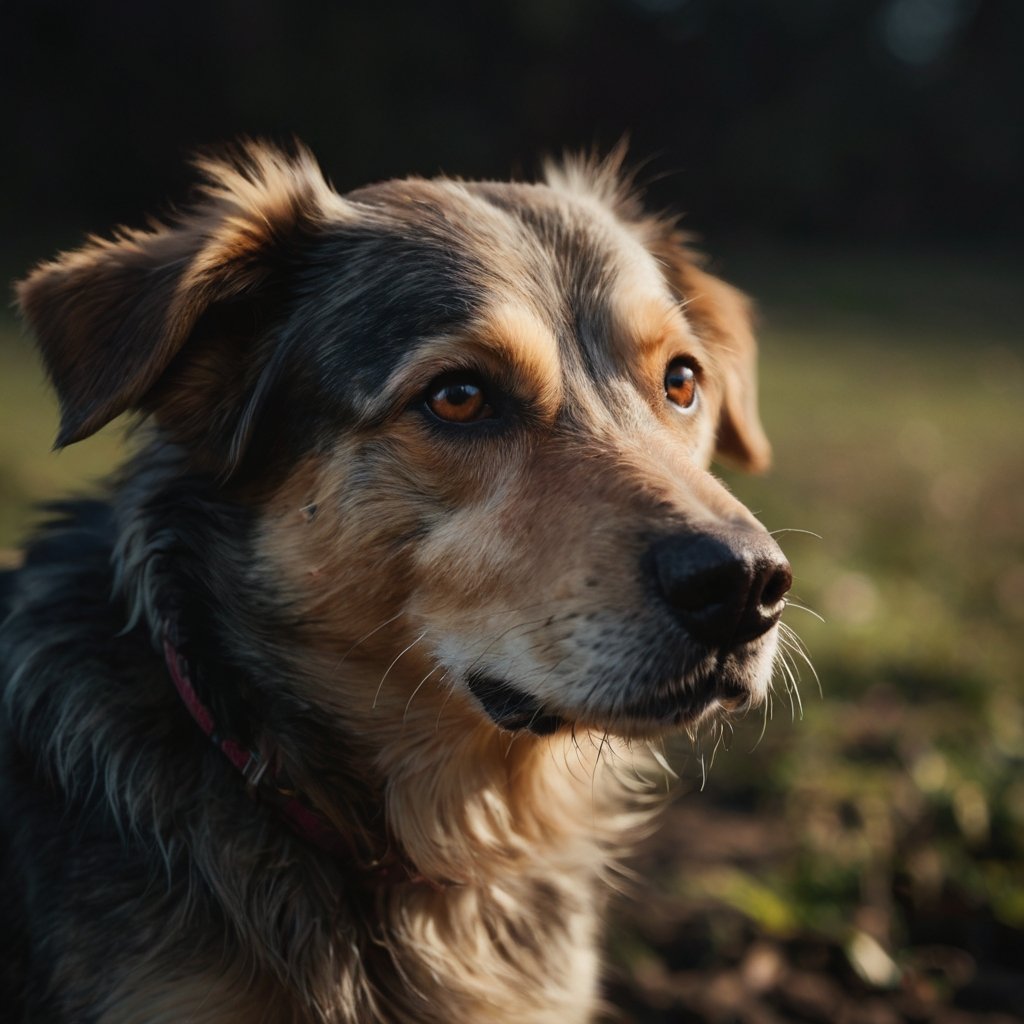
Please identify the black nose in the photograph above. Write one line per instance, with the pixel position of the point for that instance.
(725, 587)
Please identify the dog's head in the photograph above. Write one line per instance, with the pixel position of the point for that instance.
(475, 422)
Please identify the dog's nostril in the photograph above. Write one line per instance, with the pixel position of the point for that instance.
(778, 580)
(725, 588)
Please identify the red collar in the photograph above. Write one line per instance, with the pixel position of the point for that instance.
(306, 822)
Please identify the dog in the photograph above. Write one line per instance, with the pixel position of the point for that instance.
(332, 709)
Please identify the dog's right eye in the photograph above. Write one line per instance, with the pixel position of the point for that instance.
(458, 398)
(681, 383)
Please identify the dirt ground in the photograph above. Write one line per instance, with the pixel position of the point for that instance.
(679, 958)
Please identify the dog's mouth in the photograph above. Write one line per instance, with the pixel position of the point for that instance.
(515, 711)
(512, 709)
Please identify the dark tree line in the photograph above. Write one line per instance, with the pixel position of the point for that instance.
(887, 119)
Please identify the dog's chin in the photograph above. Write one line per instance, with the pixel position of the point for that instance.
(672, 709)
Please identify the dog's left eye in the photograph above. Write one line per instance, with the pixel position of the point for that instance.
(458, 398)
(681, 383)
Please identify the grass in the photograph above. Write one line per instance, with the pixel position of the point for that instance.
(29, 471)
(891, 387)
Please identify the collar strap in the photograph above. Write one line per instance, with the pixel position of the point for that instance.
(306, 822)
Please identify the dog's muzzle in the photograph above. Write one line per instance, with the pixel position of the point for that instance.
(724, 587)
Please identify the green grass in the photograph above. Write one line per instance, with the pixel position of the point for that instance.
(29, 471)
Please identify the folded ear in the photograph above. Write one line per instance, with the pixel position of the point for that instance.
(112, 317)
(722, 317)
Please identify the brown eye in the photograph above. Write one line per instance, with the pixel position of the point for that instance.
(458, 399)
(681, 383)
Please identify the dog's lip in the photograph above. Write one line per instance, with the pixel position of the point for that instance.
(677, 707)
(512, 709)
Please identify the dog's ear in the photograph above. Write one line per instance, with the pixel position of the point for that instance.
(111, 318)
(723, 318)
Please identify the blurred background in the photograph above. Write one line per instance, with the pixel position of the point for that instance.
(857, 166)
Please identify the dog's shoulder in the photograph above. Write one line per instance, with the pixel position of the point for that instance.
(52, 595)
(72, 682)
(42, 601)
(71, 532)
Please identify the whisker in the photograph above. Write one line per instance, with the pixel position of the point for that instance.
(400, 654)
(500, 613)
(793, 689)
(566, 752)
(764, 718)
(501, 636)
(719, 728)
(662, 760)
(419, 686)
(444, 703)
(576, 743)
(794, 674)
(791, 529)
(789, 639)
(803, 608)
(512, 739)
(784, 663)
(597, 765)
(366, 636)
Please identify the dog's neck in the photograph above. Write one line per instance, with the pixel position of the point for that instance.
(263, 775)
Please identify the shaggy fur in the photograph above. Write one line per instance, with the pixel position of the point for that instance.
(444, 636)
